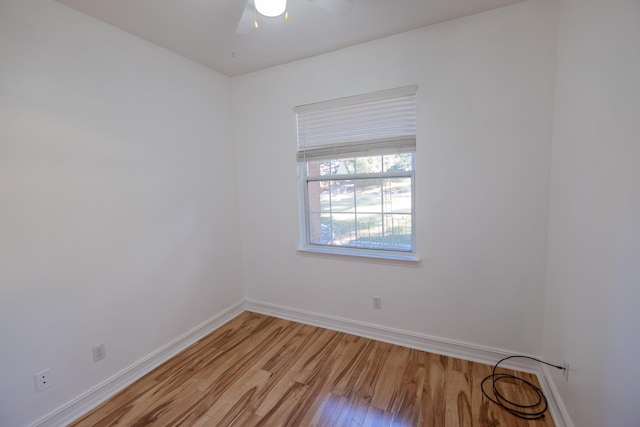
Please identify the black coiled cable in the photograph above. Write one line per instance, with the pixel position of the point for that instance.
(533, 411)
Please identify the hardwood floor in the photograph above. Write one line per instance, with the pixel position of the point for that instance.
(257, 370)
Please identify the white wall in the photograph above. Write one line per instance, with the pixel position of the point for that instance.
(118, 208)
(485, 102)
(592, 314)
(114, 226)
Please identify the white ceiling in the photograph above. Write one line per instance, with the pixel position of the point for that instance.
(205, 30)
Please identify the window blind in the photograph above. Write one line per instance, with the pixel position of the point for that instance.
(381, 122)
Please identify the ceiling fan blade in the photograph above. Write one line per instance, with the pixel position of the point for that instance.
(340, 7)
(245, 24)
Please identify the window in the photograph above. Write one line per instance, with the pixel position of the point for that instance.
(356, 160)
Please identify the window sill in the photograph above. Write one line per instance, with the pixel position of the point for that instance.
(409, 260)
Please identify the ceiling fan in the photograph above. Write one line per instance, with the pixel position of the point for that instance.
(273, 8)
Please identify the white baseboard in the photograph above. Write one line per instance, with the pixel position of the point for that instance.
(460, 350)
(557, 407)
(475, 353)
(98, 394)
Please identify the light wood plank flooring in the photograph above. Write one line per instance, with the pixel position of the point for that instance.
(257, 370)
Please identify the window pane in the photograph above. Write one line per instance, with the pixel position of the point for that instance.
(369, 195)
(397, 232)
(372, 164)
(343, 196)
(397, 193)
(360, 165)
(398, 162)
(320, 229)
(371, 213)
(319, 196)
(369, 226)
(322, 168)
(344, 228)
(384, 232)
(361, 213)
(347, 166)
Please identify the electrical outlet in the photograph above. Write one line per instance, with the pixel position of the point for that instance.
(43, 380)
(565, 372)
(99, 352)
(377, 303)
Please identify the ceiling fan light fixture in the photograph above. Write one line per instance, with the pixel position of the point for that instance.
(271, 8)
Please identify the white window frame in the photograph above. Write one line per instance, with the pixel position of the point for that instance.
(389, 133)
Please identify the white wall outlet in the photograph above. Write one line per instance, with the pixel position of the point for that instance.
(99, 352)
(43, 380)
(377, 303)
(565, 372)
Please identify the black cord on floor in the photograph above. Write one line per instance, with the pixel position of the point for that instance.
(533, 411)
